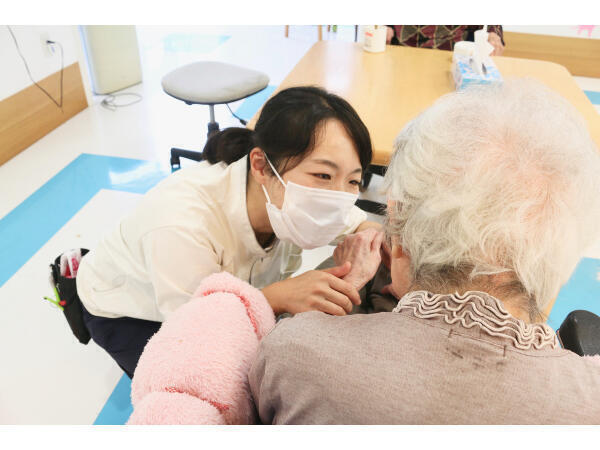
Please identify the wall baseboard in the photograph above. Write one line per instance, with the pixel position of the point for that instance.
(29, 115)
(579, 55)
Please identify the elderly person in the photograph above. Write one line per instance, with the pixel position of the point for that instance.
(492, 199)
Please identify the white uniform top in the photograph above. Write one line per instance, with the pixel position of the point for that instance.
(192, 224)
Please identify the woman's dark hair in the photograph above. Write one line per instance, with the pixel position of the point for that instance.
(288, 129)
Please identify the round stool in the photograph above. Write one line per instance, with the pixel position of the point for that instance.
(210, 83)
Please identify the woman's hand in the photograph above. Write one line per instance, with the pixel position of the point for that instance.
(362, 250)
(315, 290)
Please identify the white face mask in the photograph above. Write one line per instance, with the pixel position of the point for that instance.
(309, 217)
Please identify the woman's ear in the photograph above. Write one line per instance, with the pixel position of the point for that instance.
(258, 164)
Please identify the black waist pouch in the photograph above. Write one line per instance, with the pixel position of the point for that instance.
(72, 308)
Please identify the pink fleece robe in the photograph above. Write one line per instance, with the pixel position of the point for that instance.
(194, 370)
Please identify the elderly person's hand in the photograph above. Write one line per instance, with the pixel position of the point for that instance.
(495, 40)
(363, 251)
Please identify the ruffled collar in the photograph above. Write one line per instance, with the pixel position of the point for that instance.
(480, 311)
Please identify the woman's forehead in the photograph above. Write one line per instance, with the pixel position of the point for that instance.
(334, 144)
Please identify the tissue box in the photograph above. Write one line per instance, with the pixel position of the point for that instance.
(465, 75)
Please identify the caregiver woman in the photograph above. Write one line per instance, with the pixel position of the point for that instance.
(259, 198)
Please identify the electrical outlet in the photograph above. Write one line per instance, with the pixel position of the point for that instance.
(48, 49)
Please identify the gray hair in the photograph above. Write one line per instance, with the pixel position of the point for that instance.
(496, 180)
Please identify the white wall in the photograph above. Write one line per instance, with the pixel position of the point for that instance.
(581, 31)
(13, 76)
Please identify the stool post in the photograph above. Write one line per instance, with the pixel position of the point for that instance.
(213, 126)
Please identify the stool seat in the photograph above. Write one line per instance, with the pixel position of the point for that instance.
(213, 83)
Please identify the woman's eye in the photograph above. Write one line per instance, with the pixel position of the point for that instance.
(355, 182)
(322, 176)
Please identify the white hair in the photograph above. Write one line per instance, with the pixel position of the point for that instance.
(496, 179)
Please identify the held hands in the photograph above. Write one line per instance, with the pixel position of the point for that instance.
(362, 250)
(315, 290)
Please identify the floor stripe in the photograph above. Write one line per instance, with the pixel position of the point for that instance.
(593, 96)
(30, 225)
(118, 407)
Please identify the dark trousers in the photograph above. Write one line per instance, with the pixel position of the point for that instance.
(124, 338)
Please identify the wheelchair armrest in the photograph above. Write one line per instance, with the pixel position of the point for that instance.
(580, 333)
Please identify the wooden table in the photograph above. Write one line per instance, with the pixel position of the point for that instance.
(388, 89)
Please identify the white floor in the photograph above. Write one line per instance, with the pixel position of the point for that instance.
(47, 377)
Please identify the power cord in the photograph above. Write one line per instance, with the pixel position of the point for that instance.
(62, 67)
(243, 122)
(108, 102)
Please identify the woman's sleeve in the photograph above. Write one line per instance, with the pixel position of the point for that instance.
(177, 262)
